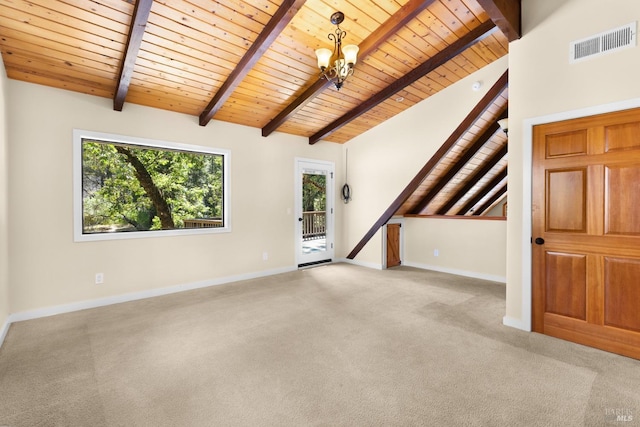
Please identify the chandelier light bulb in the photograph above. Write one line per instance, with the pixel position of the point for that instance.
(350, 53)
(324, 57)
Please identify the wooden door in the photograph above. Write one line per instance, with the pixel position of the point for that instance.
(393, 245)
(586, 231)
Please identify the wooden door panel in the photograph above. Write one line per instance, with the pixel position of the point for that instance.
(604, 337)
(622, 293)
(566, 287)
(622, 200)
(393, 245)
(566, 200)
(564, 144)
(586, 265)
(622, 137)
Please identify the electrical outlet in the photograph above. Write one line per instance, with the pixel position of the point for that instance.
(265, 256)
(436, 252)
(99, 278)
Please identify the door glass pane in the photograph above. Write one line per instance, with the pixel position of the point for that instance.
(314, 216)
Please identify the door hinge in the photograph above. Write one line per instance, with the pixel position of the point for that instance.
(331, 175)
(332, 246)
(331, 210)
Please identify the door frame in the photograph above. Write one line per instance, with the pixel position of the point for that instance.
(527, 194)
(384, 240)
(330, 206)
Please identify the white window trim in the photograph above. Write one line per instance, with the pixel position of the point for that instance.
(79, 236)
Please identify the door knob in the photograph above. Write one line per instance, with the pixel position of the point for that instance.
(539, 241)
(300, 219)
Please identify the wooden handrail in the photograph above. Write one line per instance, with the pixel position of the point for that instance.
(314, 225)
(203, 223)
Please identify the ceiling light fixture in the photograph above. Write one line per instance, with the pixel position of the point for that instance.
(337, 66)
(504, 125)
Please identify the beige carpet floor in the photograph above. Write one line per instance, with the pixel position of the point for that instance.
(337, 345)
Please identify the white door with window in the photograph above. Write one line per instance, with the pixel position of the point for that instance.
(314, 219)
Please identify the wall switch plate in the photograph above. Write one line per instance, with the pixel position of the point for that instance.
(436, 252)
(99, 278)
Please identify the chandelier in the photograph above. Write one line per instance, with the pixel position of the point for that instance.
(337, 66)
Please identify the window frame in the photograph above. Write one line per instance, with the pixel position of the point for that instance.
(79, 135)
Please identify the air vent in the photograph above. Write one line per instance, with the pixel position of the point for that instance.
(599, 44)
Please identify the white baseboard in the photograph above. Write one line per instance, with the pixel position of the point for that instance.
(475, 275)
(4, 331)
(116, 299)
(360, 263)
(515, 323)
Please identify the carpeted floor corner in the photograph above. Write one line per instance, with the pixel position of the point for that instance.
(337, 345)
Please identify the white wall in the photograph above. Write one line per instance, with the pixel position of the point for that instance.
(498, 209)
(382, 161)
(4, 203)
(544, 87)
(48, 269)
(468, 247)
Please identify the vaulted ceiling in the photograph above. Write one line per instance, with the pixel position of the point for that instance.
(252, 62)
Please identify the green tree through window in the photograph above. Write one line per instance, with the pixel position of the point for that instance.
(127, 187)
(314, 195)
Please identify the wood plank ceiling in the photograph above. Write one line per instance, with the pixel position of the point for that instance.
(252, 62)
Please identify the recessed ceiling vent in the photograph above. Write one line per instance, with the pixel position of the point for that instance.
(599, 44)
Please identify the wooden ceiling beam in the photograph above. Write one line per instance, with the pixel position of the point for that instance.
(271, 31)
(483, 193)
(453, 50)
(134, 40)
(506, 15)
(455, 168)
(473, 180)
(491, 200)
(369, 45)
(477, 111)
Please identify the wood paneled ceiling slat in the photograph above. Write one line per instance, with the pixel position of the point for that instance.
(41, 13)
(479, 196)
(17, 44)
(190, 48)
(456, 167)
(57, 66)
(377, 37)
(60, 79)
(29, 24)
(472, 180)
(274, 27)
(495, 195)
(473, 150)
(453, 50)
(167, 99)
